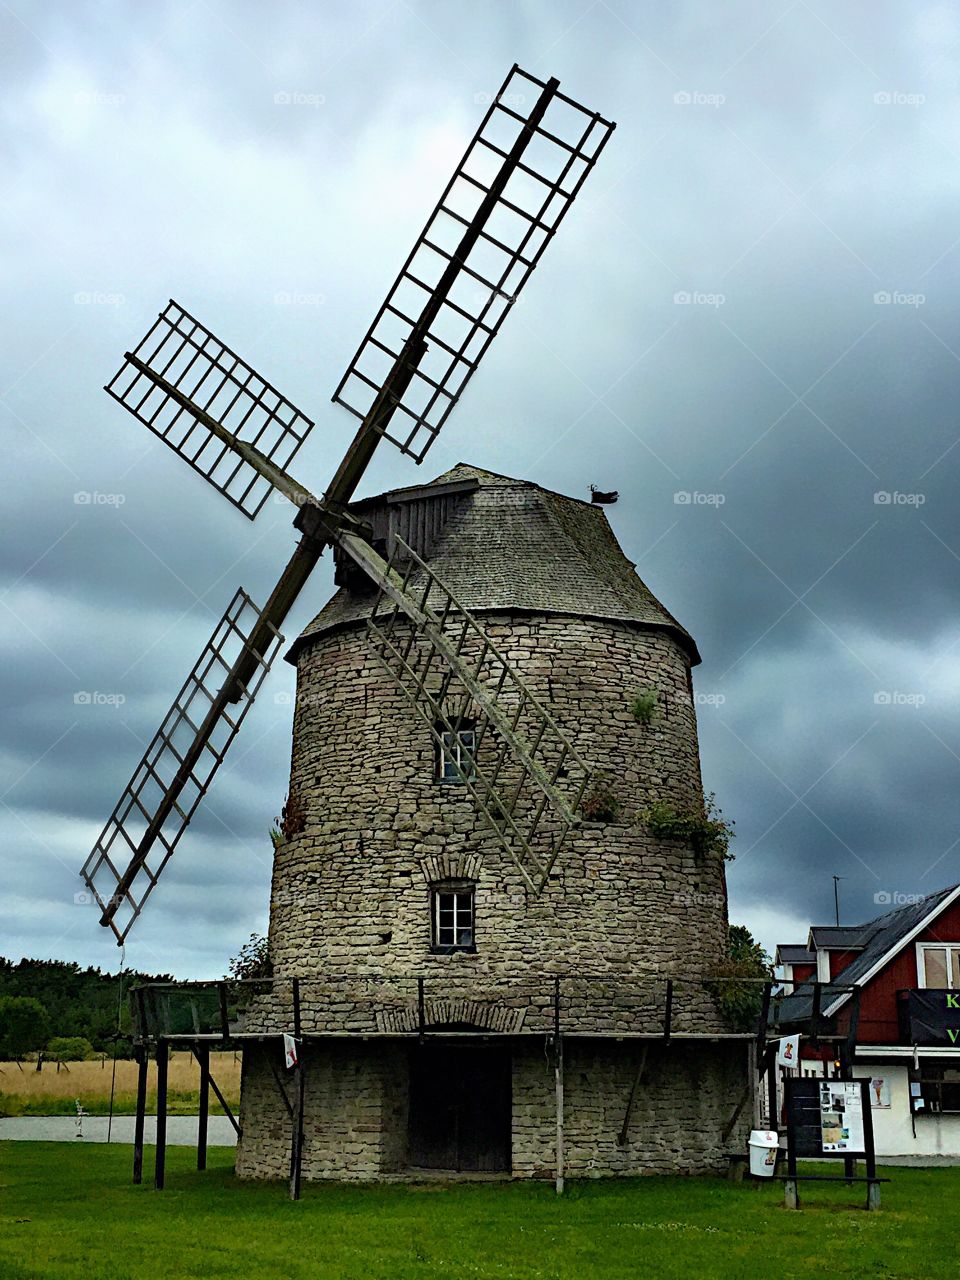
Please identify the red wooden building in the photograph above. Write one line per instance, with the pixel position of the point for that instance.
(881, 1000)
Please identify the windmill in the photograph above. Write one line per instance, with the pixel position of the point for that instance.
(500, 209)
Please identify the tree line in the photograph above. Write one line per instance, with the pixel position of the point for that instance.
(60, 1009)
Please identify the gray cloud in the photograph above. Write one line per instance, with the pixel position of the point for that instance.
(783, 170)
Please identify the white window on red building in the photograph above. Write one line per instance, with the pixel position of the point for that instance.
(938, 964)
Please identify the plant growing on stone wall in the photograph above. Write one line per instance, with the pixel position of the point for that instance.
(644, 706)
(600, 803)
(292, 820)
(704, 829)
(276, 837)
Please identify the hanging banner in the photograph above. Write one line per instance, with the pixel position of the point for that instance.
(932, 1017)
(290, 1052)
(788, 1053)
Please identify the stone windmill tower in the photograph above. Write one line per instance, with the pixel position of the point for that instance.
(394, 871)
(464, 898)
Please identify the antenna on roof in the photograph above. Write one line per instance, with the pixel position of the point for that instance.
(836, 898)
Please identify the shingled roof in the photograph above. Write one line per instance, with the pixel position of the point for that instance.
(880, 939)
(512, 546)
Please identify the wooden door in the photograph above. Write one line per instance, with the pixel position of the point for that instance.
(460, 1108)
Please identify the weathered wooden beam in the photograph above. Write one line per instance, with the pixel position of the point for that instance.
(140, 1053)
(202, 1054)
(558, 1089)
(628, 1114)
(273, 474)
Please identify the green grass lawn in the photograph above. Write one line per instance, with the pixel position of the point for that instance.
(71, 1211)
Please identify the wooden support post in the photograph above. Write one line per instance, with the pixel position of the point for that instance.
(203, 1058)
(558, 1081)
(622, 1136)
(753, 1071)
(296, 1140)
(870, 1152)
(224, 1013)
(163, 1063)
(142, 1066)
(773, 1118)
(791, 1192)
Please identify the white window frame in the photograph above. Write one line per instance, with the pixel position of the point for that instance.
(464, 908)
(922, 949)
(462, 744)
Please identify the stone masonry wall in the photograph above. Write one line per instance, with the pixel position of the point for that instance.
(356, 1110)
(687, 1095)
(351, 893)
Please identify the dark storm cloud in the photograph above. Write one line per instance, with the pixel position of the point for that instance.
(747, 324)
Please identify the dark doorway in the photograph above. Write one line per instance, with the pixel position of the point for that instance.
(460, 1108)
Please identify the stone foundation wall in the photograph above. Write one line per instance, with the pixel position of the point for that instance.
(355, 1115)
(686, 1097)
(355, 1118)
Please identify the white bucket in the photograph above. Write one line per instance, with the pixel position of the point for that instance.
(764, 1144)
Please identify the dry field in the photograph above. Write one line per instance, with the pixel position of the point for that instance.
(53, 1092)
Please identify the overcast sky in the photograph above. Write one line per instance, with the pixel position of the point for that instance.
(790, 169)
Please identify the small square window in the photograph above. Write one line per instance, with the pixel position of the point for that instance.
(453, 918)
(455, 753)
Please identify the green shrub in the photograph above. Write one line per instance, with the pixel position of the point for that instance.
(704, 829)
(738, 1000)
(70, 1049)
(644, 706)
(23, 1026)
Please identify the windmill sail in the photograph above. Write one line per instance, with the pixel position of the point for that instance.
(178, 765)
(184, 383)
(497, 214)
(531, 782)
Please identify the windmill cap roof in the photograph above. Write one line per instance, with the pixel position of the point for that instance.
(512, 546)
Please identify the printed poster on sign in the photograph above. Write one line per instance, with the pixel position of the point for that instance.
(841, 1116)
